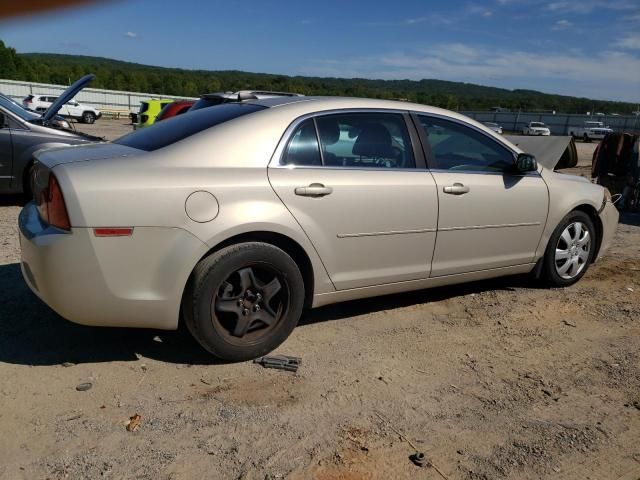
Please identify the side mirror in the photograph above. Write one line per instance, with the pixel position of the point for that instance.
(526, 163)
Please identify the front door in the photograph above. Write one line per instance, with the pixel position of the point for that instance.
(369, 212)
(489, 217)
(6, 152)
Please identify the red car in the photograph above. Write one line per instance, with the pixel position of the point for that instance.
(175, 108)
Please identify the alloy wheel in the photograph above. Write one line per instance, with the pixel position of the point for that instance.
(249, 304)
(572, 250)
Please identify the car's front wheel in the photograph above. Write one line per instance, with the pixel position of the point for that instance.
(570, 250)
(88, 117)
(244, 300)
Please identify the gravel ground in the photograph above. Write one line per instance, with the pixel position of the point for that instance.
(491, 380)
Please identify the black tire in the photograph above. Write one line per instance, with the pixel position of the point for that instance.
(550, 267)
(216, 287)
(88, 117)
(586, 138)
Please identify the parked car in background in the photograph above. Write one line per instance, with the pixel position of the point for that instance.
(591, 130)
(22, 133)
(494, 126)
(174, 108)
(235, 218)
(56, 121)
(149, 110)
(536, 128)
(71, 109)
(212, 99)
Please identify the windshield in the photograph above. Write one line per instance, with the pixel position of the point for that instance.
(537, 124)
(16, 109)
(174, 129)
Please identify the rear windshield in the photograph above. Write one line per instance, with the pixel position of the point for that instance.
(144, 106)
(174, 129)
(208, 102)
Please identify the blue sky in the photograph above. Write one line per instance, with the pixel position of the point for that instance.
(574, 47)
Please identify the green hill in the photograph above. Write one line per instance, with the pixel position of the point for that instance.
(119, 75)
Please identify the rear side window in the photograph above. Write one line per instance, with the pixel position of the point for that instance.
(365, 140)
(174, 129)
(303, 148)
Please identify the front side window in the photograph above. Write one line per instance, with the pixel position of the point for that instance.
(453, 146)
(365, 140)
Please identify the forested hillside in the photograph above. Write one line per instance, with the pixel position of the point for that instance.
(118, 75)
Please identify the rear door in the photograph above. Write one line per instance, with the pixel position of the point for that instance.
(359, 189)
(6, 151)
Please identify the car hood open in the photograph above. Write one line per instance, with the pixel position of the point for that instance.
(67, 95)
(550, 152)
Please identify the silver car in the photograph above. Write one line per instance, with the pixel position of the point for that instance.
(22, 133)
(235, 218)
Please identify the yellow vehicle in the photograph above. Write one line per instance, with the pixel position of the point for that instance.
(149, 110)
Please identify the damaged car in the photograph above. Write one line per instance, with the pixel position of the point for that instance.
(23, 133)
(234, 219)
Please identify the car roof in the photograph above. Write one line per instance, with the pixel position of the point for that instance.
(328, 103)
(312, 105)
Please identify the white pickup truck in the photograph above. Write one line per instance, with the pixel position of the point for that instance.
(590, 130)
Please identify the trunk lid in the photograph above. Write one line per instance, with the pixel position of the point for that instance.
(83, 153)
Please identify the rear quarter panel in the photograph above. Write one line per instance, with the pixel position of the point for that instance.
(150, 190)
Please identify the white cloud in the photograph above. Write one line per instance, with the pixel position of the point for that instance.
(474, 9)
(433, 19)
(131, 35)
(631, 41)
(587, 6)
(608, 74)
(562, 25)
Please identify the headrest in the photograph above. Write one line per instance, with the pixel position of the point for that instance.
(329, 130)
(374, 141)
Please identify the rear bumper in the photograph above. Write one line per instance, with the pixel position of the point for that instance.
(134, 281)
(609, 218)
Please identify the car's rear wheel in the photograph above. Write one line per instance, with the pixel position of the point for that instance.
(88, 117)
(244, 300)
(586, 138)
(570, 250)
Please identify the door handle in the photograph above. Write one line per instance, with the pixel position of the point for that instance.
(456, 189)
(313, 190)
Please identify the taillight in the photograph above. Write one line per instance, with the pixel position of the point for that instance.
(52, 207)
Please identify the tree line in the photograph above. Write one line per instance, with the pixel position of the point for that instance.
(119, 75)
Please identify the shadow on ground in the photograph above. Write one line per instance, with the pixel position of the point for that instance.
(630, 219)
(12, 200)
(32, 334)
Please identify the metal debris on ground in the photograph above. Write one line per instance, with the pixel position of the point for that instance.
(568, 323)
(134, 423)
(280, 362)
(83, 387)
(420, 460)
(425, 461)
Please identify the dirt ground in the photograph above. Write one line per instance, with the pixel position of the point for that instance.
(499, 380)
